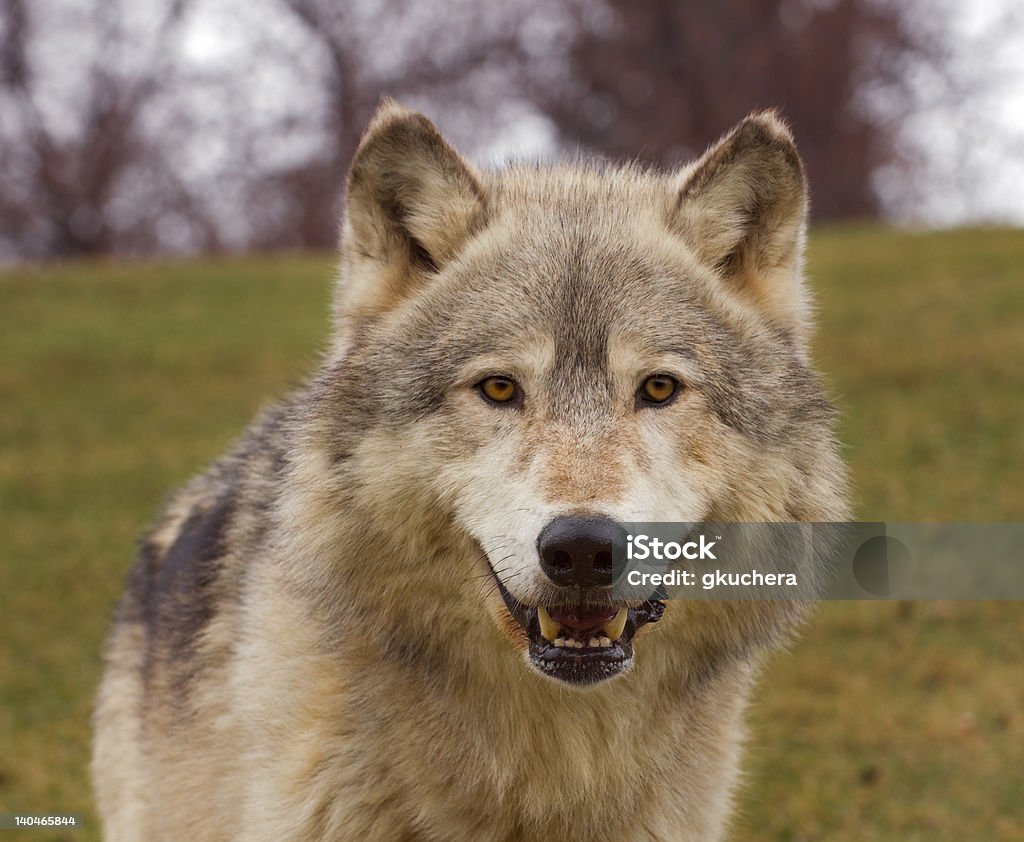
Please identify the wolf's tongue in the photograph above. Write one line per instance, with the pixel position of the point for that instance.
(582, 619)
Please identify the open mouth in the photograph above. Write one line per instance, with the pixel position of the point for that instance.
(585, 642)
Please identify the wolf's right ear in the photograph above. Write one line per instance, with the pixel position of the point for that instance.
(412, 202)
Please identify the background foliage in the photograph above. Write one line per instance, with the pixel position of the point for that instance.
(153, 126)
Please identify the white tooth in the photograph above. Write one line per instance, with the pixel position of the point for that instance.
(578, 644)
(559, 641)
(605, 641)
(548, 627)
(614, 627)
(594, 643)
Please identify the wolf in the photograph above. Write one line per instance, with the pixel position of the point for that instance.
(385, 614)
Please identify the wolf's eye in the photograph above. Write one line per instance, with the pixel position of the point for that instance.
(657, 390)
(498, 389)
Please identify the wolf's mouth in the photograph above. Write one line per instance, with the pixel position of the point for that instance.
(581, 643)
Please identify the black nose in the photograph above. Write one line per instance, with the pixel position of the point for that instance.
(576, 550)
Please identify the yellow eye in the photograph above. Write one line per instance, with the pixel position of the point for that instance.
(658, 389)
(498, 389)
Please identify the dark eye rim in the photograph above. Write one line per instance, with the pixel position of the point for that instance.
(512, 403)
(644, 401)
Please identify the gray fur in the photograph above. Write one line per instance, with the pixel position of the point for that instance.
(311, 645)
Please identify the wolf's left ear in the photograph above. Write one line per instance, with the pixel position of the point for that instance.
(412, 202)
(742, 208)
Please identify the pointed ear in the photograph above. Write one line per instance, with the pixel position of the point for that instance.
(742, 208)
(412, 203)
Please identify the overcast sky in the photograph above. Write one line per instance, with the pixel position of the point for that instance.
(982, 179)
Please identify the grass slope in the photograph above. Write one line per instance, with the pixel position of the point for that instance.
(886, 722)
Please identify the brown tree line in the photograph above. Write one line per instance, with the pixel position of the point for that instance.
(661, 77)
(107, 125)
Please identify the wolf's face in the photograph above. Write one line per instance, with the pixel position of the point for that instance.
(550, 354)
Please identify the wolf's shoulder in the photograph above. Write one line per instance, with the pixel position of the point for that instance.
(193, 560)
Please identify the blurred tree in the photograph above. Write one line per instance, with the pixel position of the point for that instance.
(80, 172)
(659, 79)
(366, 50)
(141, 126)
(148, 126)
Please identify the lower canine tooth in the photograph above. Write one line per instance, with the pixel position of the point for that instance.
(614, 627)
(604, 641)
(559, 641)
(548, 627)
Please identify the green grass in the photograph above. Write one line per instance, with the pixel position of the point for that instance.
(886, 722)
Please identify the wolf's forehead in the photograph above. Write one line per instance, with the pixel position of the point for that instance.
(577, 260)
(576, 277)
(581, 296)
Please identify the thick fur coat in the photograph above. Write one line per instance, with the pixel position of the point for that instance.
(334, 632)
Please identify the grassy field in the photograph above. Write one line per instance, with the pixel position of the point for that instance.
(886, 722)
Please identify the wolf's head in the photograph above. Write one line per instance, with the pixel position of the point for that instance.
(525, 360)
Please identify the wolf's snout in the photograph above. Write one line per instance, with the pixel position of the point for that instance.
(576, 550)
